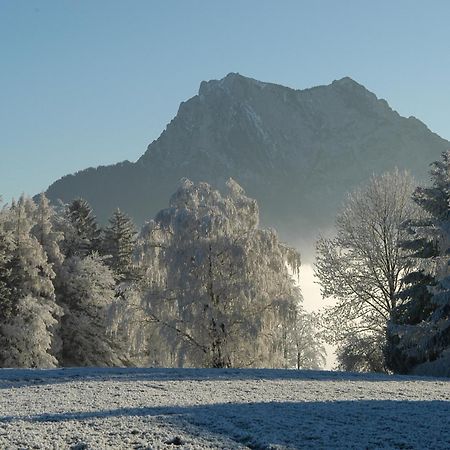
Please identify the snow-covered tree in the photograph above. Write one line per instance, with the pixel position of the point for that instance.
(45, 233)
(27, 338)
(301, 342)
(119, 242)
(134, 334)
(86, 293)
(6, 252)
(27, 330)
(362, 268)
(218, 285)
(419, 330)
(308, 351)
(81, 231)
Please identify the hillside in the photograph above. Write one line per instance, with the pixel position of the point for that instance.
(296, 151)
(83, 409)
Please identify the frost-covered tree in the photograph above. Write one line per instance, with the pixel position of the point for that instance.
(134, 334)
(86, 293)
(46, 234)
(419, 330)
(363, 267)
(27, 338)
(81, 231)
(308, 351)
(301, 341)
(361, 353)
(119, 242)
(27, 330)
(6, 253)
(218, 286)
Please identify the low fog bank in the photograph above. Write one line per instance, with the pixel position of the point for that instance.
(312, 301)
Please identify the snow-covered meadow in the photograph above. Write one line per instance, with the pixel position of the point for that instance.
(220, 408)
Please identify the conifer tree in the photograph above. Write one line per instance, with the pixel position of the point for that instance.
(419, 330)
(28, 331)
(6, 250)
(81, 233)
(118, 242)
(46, 234)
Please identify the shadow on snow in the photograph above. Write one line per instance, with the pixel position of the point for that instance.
(349, 424)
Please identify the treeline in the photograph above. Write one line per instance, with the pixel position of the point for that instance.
(200, 285)
(388, 271)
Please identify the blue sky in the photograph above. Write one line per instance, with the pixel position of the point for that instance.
(89, 82)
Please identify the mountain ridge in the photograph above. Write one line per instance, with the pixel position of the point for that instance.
(296, 151)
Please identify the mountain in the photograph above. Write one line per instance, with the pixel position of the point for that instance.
(296, 151)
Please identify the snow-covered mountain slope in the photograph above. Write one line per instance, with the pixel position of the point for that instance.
(296, 151)
(226, 409)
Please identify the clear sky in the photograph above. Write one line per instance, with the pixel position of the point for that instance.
(89, 82)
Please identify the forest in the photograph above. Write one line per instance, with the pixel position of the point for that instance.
(202, 285)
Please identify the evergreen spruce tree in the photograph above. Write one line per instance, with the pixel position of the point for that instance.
(27, 333)
(6, 250)
(118, 242)
(46, 234)
(419, 329)
(81, 233)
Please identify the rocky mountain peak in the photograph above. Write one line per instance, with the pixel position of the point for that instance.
(233, 84)
(347, 82)
(298, 152)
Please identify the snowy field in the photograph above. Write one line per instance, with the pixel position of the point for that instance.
(229, 409)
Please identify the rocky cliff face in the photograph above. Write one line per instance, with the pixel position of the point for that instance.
(296, 151)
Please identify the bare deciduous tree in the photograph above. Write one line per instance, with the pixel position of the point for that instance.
(362, 267)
